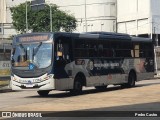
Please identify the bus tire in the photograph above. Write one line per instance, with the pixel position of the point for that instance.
(131, 81)
(101, 88)
(77, 88)
(43, 93)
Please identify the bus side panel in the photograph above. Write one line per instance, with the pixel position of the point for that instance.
(100, 72)
(144, 68)
(64, 84)
(106, 80)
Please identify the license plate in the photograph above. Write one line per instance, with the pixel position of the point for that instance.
(29, 85)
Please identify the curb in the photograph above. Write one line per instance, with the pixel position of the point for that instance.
(4, 84)
(5, 89)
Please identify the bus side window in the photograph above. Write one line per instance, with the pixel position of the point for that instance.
(100, 50)
(63, 51)
(136, 49)
(66, 51)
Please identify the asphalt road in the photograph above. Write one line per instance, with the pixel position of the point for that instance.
(144, 97)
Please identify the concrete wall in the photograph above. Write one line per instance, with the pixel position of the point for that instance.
(100, 14)
(6, 18)
(155, 11)
(138, 16)
(12, 3)
(134, 16)
(2, 11)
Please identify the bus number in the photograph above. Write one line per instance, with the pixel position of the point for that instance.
(6, 65)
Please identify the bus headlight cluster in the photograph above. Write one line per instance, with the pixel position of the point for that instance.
(14, 78)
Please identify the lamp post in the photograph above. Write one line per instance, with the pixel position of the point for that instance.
(85, 14)
(51, 26)
(26, 17)
(40, 4)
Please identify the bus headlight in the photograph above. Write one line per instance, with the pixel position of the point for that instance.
(13, 78)
(48, 77)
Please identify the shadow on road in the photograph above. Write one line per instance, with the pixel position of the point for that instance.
(91, 91)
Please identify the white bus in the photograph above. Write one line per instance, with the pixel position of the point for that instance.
(69, 61)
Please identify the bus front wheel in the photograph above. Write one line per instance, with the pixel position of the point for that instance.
(43, 93)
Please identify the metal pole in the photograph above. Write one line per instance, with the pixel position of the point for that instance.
(2, 30)
(155, 52)
(51, 26)
(137, 20)
(26, 17)
(85, 15)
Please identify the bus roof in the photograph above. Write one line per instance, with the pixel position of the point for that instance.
(94, 35)
(105, 35)
(141, 39)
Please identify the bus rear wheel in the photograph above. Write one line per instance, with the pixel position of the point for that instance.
(77, 88)
(43, 93)
(131, 81)
(100, 88)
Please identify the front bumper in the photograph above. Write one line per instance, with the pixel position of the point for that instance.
(44, 85)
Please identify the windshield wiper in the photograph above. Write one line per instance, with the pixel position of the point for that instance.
(22, 48)
(36, 49)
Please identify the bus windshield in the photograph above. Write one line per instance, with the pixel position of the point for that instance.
(39, 55)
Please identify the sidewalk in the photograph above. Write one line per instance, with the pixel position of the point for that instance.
(4, 84)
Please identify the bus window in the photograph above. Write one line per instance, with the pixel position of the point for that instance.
(145, 50)
(132, 53)
(136, 48)
(100, 50)
(63, 50)
(59, 50)
(81, 48)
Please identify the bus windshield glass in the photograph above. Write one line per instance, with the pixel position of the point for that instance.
(39, 55)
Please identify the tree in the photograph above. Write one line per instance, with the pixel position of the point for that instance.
(39, 21)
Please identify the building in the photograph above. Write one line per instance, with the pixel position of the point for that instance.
(6, 28)
(92, 15)
(102, 19)
(138, 17)
(141, 18)
(135, 17)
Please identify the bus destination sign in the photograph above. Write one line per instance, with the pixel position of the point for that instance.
(33, 38)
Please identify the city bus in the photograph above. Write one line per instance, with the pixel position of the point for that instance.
(70, 61)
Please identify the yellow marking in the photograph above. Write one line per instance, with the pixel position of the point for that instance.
(4, 82)
(4, 72)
